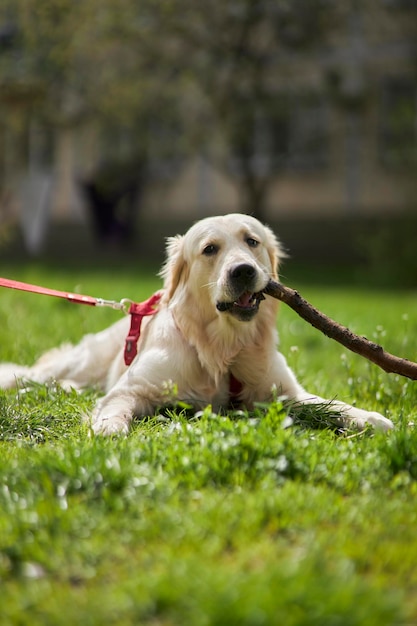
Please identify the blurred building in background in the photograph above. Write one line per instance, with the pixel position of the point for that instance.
(333, 134)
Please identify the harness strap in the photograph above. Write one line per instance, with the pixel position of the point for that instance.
(235, 389)
(137, 312)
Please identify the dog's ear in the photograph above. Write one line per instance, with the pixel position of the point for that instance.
(275, 250)
(174, 268)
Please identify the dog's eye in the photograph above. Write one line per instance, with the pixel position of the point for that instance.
(252, 243)
(210, 250)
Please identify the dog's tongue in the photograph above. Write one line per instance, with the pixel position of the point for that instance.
(245, 299)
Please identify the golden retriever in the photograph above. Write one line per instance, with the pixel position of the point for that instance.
(213, 325)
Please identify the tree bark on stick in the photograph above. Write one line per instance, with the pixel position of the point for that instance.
(361, 345)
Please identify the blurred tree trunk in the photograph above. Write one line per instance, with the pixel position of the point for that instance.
(253, 194)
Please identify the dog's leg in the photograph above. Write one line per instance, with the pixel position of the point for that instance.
(113, 414)
(82, 365)
(349, 415)
(285, 381)
(136, 393)
(11, 374)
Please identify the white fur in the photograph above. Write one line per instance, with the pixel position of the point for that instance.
(188, 350)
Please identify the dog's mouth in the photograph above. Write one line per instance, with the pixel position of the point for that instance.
(244, 307)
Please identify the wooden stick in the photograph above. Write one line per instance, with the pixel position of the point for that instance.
(361, 345)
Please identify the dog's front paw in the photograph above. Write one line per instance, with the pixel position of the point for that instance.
(379, 422)
(108, 426)
(112, 416)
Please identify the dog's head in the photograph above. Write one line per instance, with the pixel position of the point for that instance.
(225, 262)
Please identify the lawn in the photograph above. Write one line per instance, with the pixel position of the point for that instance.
(228, 520)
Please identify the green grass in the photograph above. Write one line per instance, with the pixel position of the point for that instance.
(238, 519)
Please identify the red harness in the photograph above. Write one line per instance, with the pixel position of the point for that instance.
(136, 310)
(235, 389)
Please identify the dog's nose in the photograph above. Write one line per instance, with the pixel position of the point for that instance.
(243, 273)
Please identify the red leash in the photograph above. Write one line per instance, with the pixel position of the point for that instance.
(136, 310)
(72, 297)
